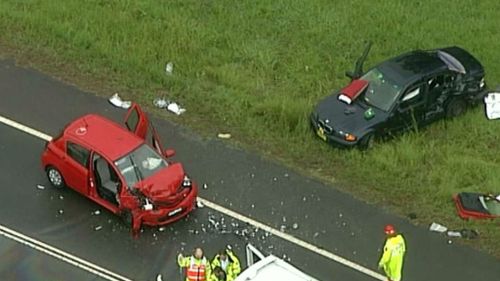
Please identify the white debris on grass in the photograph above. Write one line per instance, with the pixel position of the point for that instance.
(97, 228)
(169, 105)
(39, 186)
(117, 101)
(224, 135)
(169, 68)
(492, 102)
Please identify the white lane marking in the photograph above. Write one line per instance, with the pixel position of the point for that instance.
(25, 129)
(61, 255)
(221, 209)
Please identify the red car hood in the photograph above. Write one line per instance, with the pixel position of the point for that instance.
(164, 184)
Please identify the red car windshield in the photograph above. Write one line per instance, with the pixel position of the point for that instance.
(140, 164)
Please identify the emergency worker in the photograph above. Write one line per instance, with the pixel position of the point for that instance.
(197, 267)
(218, 274)
(228, 262)
(392, 257)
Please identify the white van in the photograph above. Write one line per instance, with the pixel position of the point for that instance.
(270, 268)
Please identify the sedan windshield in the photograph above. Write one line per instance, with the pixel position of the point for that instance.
(381, 91)
(140, 164)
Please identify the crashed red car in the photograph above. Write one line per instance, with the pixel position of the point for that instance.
(120, 170)
(477, 205)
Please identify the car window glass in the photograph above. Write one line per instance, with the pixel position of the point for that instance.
(132, 120)
(436, 82)
(78, 153)
(411, 94)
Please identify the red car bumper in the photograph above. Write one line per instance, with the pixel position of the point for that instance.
(166, 215)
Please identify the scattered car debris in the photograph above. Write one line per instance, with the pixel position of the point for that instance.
(61, 211)
(492, 103)
(199, 204)
(224, 136)
(169, 105)
(205, 186)
(61, 197)
(159, 278)
(39, 186)
(295, 226)
(96, 212)
(169, 68)
(97, 228)
(462, 233)
(162, 228)
(117, 101)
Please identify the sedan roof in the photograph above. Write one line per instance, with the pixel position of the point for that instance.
(412, 66)
(103, 135)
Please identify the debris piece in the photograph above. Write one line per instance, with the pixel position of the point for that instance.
(295, 226)
(161, 229)
(97, 228)
(205, 186)
(224, 136)
(61, 211)
(169, 68)
(61, 197)
(492, 103)
(199, 204)
(453, 234)
(118, 102)
(39, 186)
(169, 105)
(438, 228)
(96, 212)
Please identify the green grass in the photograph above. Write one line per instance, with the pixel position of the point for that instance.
(256, 68)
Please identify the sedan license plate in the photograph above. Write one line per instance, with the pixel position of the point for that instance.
(174, 212)
(321, 133)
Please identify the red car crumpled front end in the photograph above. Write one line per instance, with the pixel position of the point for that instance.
(170, 195)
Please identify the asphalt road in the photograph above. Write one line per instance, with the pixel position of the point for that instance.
(236, 179)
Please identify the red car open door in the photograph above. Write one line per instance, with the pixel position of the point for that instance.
(136, 121)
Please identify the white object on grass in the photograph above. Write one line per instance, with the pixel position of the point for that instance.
(224, 135)
(492, 102)
(117, 101)
(169, 68)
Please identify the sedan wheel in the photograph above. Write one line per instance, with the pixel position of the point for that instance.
(455, 107)
(367, 142)
(55, 177)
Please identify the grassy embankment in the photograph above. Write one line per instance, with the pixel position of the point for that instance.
(256, 68)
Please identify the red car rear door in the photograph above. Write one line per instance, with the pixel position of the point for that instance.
(75, 167)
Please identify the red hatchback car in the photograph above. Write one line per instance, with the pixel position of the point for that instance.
(120, 170)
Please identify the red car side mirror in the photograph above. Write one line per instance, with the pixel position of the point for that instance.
(169, 153)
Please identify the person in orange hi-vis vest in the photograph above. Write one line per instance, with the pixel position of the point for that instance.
(197, 267)
(392, 257)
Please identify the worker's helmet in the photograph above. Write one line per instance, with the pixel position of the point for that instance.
(389, 229)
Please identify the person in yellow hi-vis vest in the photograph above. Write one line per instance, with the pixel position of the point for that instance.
(392, 258)
(229, 262)
(197, 266)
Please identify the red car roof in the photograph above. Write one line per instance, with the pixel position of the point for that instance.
(103, 135)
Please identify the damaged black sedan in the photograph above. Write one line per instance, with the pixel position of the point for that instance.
(400, 94)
